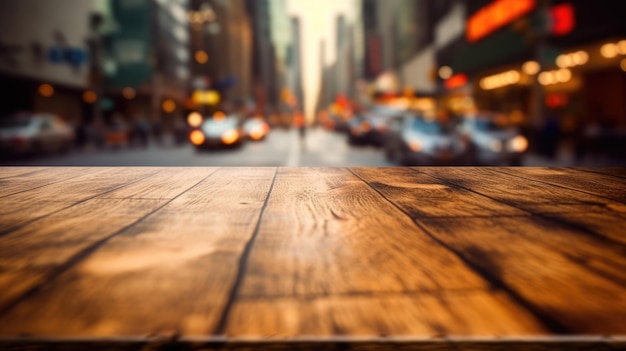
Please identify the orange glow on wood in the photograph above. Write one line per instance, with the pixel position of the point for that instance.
(496, 15)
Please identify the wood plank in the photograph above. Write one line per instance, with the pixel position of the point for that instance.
(171, 273)
(166, 184)
(588, 258)
(604, 258)
(13, 171)
(520, 253)
(613, 171)
(531, 196)
(318, 344)
(326, 236)
(40, 178)
(596, 184)
(530, 344)
(420, 315)
(19, 209)
(424, 196)
(30, 254)
(319, 221)
(609, 225)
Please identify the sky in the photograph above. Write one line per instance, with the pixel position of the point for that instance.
(318, 23)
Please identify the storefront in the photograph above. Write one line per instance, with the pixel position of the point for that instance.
(568, 72)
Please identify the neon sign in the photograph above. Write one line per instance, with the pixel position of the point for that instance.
(496, 15)
(456, 81)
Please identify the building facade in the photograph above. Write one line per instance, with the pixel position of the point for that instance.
(41, 45)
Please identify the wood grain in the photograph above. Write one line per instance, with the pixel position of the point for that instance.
(164, 185)
(612, 171)
(604, 224)
(9, 171)
(525, 256)
(312, 258)
(429, 197)
(609, 187)
(492, 244)
(327, 235)
(531, 196)
(319, 221)
(38, 178)
(171, 273)
(19, 209)
(317, 344)
(421, 315)
(30, 254)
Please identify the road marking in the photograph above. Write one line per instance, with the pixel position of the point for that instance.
(293, 157)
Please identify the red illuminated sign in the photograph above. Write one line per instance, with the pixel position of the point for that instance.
(496, 15)
(563, 19)
(457, 80)
(556, 100)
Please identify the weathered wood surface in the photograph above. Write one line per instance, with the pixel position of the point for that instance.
(312, 258)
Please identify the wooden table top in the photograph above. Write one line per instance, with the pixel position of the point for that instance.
(442, 258)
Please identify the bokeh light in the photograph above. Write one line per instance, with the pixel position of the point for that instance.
(129, 93)
(90, 97)
(169, 106)
(45, 90)
(201, 57)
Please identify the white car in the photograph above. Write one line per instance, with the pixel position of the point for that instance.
(35, 133)
(419, 141)
(217, 131)
(492, 143)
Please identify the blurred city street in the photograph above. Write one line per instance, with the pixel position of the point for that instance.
(445, 82)
(280, 148)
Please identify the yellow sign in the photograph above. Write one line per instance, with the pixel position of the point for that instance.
(206, 97)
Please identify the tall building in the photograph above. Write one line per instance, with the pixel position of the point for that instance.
(343, 46)
(281, 36)
(144, 60)
(222, 45)
(41, 44)
(373, 50)
(294, 62)
(358, 42)
(264, 63)
(280, 26)
(323, 98)
(238, 30)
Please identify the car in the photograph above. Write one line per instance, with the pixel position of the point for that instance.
(380, 117)
(219, 130)
(415, 140)
(493, 143)
(32, 133)
(256, 129)
(359, 130)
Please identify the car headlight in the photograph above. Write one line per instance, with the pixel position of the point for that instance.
(257, 133)
(495, 145)
(194, 119)
(197, 137)
(518, 144)
(415, 146)
(230, 137)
